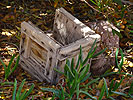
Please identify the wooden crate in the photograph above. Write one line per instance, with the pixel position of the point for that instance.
(40, 53)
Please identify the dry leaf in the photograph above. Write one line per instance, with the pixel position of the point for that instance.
(100, 85)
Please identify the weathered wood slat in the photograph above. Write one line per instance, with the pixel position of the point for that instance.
(68, 29)
(38, 36)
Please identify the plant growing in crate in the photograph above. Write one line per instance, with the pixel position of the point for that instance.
(74, 76)
(8, 70)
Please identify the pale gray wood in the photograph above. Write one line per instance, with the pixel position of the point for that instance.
(68, 29)
(40, 54)
(39, 36)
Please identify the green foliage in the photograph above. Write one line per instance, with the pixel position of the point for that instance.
(102, 91)
(112, 89)
(17, 95)
(119, 65)
(115, 12)
(8, 70)
(117, 33)
(6, 83)
(130, 92)
(118, 1)
(75, 75)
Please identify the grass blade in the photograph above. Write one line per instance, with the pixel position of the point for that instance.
(84, 92)
(93, 2)
(116, 55)
(15, 66)
(14, 90)
(118, 84)
(91, 55)
(111, 86)
(84, 72)
(55, 91)
(92, 47)
(80, 59)
(106, 87)
(53, 97)
(111, 98)
(30, 90)
(121, 62)
(81, 55)
(22, 95)
(69, 74)
(68, 69)
(120, 93)
(5, 69)
(3, 64)
(78, 62)
(107, 74)
(99, 53)
(102, 92)
(85, 78)
(77, 90)
(93, 81)
(62, 93)
(90, 51)
(19, 89)
(117, 33)
(58, 71)
(131, 89)
(10, 63)
(68, 63)
(72, 65)
(74, 84)
(6, 83)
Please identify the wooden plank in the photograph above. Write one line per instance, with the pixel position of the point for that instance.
(39, 36)
(27, 47)
(34, 69)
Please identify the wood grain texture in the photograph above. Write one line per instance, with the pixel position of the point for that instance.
(67, 29)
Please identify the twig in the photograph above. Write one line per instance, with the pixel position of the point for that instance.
(91, 6)
(12, 44)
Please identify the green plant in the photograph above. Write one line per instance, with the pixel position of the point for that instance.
(17, 95)
(130, 92)
(112, 90)
(118, 65)
(74, 76)
(8, 70)
(115, 12)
